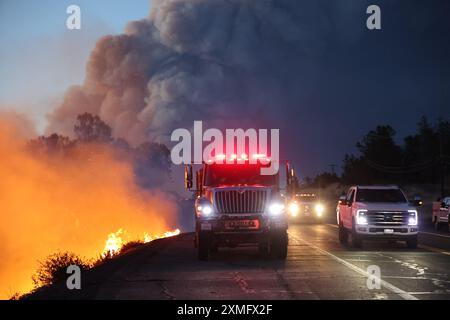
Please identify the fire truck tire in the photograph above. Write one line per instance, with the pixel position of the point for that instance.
(203, 246)
(279, 244)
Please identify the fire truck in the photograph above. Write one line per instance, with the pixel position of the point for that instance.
(305, 207)
(236, 205)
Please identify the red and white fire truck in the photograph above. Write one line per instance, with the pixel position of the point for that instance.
(237, 205)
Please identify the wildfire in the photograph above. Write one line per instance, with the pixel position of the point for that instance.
(114, 242)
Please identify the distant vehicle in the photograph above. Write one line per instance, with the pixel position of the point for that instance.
(237, 205)
(377, 212)
(441, 213)
(305, 207)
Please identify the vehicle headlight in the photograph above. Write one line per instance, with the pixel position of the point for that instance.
(293, 209)
(412, 220)
(361, 217)
(319, 209)
(205, 209)
(276, 208)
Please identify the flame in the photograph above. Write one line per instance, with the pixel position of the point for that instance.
(114, 242)
(55, 202)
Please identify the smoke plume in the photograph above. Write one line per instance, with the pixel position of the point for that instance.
(200, 59)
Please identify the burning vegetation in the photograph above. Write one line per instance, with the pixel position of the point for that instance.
(63, 195)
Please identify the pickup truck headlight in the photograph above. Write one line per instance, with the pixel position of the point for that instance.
(276, 208)
(412, 220)
(361, 217)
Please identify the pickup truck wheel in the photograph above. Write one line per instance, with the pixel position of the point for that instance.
(343, 234)
(412, 242)
(279, 244)
(356, 239)
(204, 246)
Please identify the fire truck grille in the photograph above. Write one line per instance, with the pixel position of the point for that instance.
(234, 201)
(387, 218)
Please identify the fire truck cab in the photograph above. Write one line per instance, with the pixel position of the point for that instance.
(237, 205)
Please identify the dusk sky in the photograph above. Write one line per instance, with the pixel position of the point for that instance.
(343, 79)
(40, 58)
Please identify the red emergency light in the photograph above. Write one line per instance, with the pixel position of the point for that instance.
(244, 157)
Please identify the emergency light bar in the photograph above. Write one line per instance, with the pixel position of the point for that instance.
(243, 157)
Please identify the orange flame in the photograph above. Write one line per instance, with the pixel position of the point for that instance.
(52, 202)
(114, 242)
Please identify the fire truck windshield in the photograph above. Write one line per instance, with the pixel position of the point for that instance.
(237, 174)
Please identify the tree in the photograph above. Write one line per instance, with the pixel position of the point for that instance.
(379, 159)
(90, 128)
(53, 143)
(325, 179)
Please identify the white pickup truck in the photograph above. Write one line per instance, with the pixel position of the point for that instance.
(441, 213)
(377, 212)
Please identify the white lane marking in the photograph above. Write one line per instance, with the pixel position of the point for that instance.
(434, 234)
(405, 295)
(434, 249)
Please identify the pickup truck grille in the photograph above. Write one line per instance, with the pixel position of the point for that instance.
(237, 201)
(387, 218)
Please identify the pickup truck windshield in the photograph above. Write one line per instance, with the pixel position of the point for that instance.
(237, 174)
(380, 195)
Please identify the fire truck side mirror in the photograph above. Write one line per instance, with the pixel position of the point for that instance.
(188, 176)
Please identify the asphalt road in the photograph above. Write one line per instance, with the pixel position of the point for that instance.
(317, 267)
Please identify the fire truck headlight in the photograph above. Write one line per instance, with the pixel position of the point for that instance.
(293, 209)
(205, 210)
(319, 209)
(412, 221)
(276, 208)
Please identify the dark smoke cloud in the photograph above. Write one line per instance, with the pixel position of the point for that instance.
(301, 66)
(197, 59)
